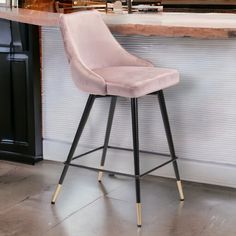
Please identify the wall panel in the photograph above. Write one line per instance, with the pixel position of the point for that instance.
(201, 108)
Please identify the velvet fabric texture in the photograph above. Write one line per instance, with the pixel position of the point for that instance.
(99, 64)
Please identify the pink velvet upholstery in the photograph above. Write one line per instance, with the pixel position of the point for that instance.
(133, 81)
(100, 66)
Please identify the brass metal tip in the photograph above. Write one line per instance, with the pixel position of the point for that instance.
(180, 188)
(100, 174)
(55, 195)
(139, 214)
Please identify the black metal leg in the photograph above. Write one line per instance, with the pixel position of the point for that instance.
(170, 140)
(134, 112)
(107, 136)
(82, 123)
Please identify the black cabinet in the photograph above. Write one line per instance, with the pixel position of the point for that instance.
(20, 97)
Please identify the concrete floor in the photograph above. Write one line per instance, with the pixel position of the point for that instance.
(87, 208)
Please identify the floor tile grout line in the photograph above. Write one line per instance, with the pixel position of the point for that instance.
(81, 208)
(117, 199)
(87, 205)
(90, 203)
(73, 213)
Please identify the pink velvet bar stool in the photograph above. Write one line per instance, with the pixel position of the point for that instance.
(102, 68)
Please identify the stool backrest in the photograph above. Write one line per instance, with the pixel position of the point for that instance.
(87, 37)
(90, 45)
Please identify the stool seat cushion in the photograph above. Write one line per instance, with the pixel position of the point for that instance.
(133, 81)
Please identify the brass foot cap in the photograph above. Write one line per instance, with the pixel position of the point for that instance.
(100, 174)
(180, 188)
(54, 197)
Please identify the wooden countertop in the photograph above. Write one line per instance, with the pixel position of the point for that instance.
(41, 18)
(195, 25)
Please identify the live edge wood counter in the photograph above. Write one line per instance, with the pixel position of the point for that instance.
(195, 25)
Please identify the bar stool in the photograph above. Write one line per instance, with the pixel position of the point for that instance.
(102, 68)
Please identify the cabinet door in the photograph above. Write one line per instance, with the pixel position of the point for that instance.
(20, 117)
(5, 99)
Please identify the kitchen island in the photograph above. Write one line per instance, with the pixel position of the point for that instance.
(202, 107)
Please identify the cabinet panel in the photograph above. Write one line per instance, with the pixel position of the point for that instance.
(20, 94)
(20, 101)
(5, 99)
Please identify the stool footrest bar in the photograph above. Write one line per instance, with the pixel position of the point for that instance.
(86, 153)
(166, 163)
(123, 149)
(102, 170)
(120, 173)
(141, 151)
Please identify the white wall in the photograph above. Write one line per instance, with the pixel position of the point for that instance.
(202, 108)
